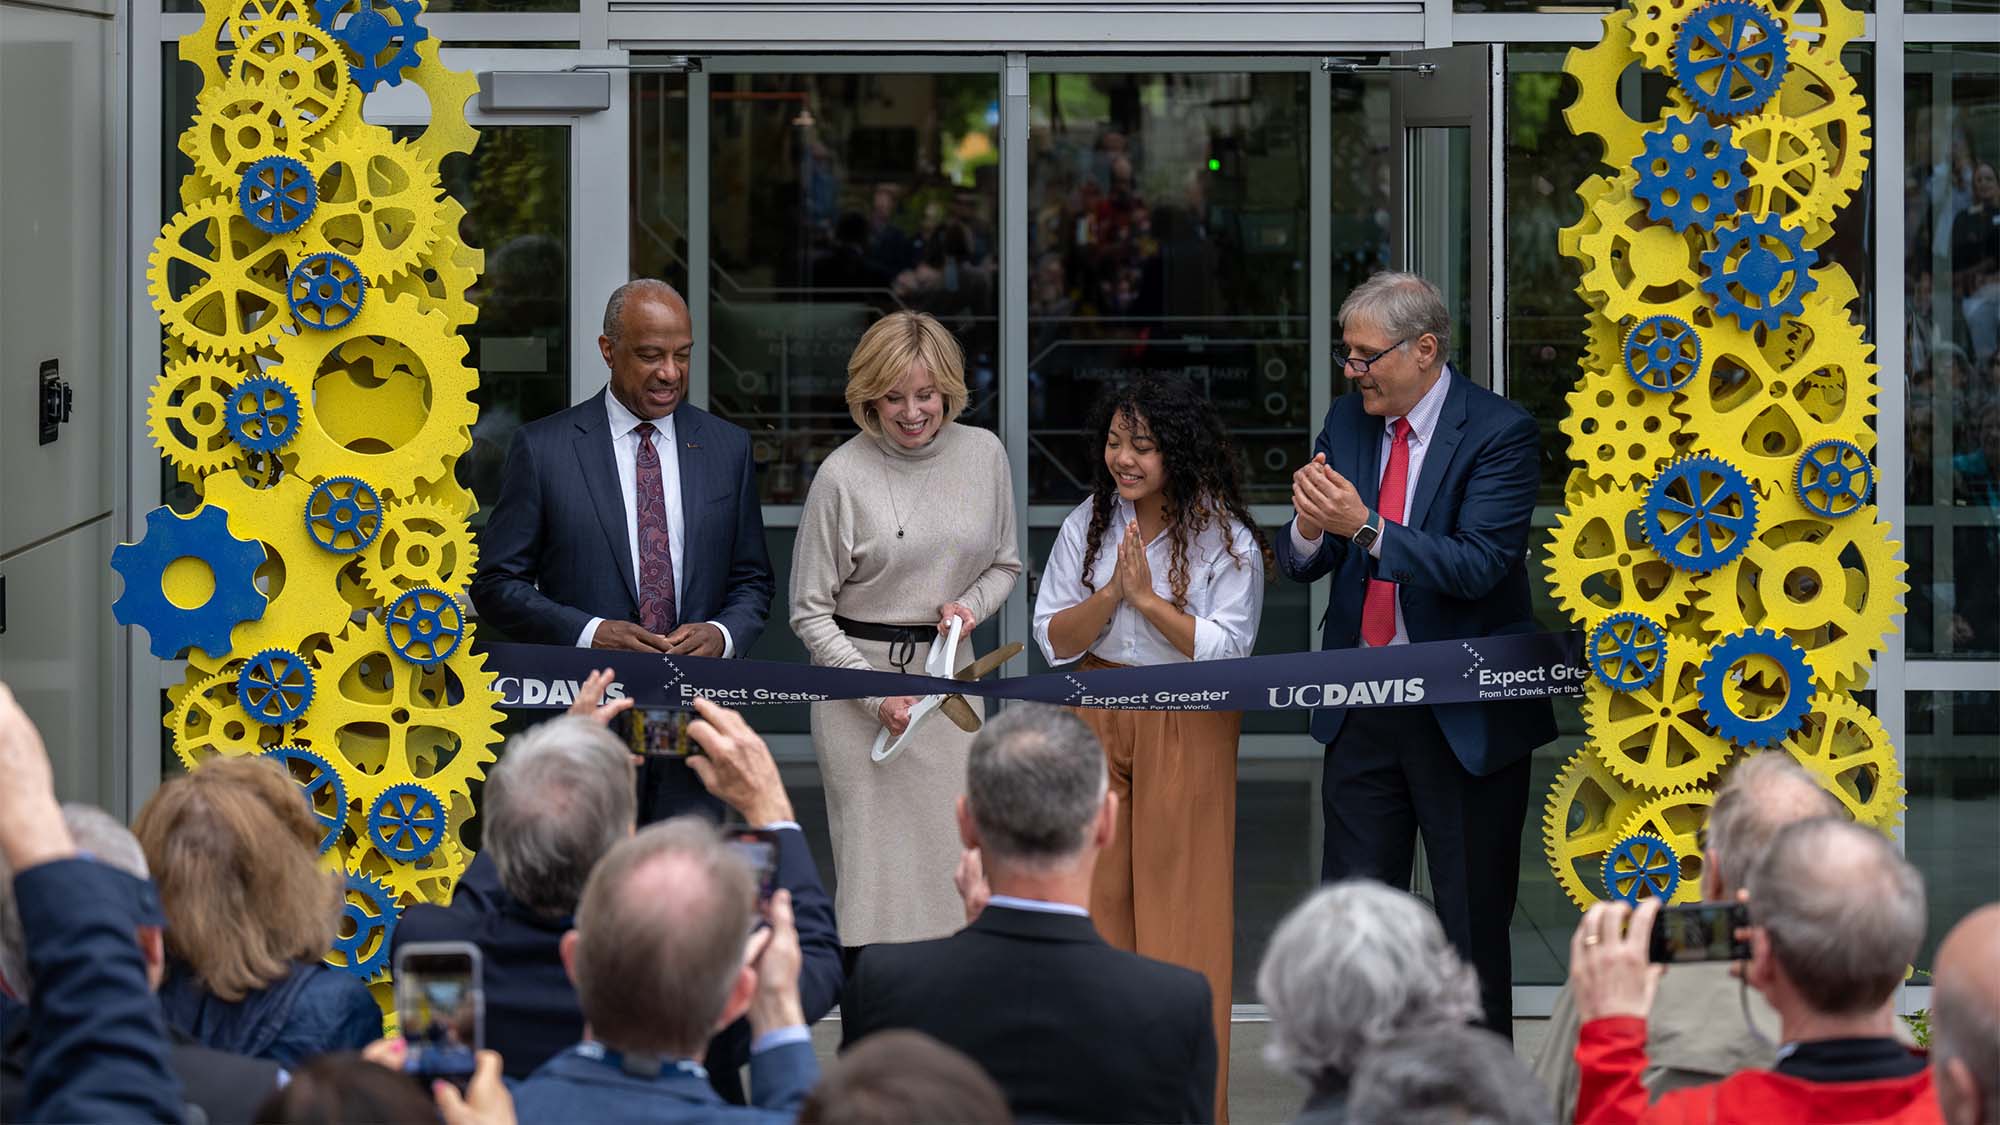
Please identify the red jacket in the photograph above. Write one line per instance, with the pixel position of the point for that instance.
(1611, 1053)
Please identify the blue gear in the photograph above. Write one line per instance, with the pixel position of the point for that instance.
(322, 787)
(277, 194)
(1744, 267)
(1744, 77)
(1690, 173)
(262, 414)
(366, 949)
(384, 50)
(407, 822)
(1662, 353)
(1627, 651)
(343, 514)
(1712, 687)
(233, 562)
(1707, 499)
(326, 290)
(1834, 479)
(1638, 864)
(425, 626)
(275, 686)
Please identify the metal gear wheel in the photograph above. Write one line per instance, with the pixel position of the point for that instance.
(1788, 173)
(261, 414)
(393, 470)
(1700, 513)
(1599, 563)
(1663, 353)
(1835, 478)
(446, 274)
(406, 822)
(1741, 716)
(1619, 433)
(368, 922)
(1846, 747)
(223, 300)
(430, 879)
(188, 607)
(184, 414)
(1627, 651)
(1656, 24)
(380, 202)
(423, 543)
(277, 194)
(1759, 270)
(1675, 820)
(325, 291)
(448, 90)
(1580, 823)
(1639, 268)
(298, 575)
(1641, 867)
(224, 27)
(1820, 96)
(343, 515)
(297, 57)
(324, 791)
(1834, 25)
(1598, 111)
(236, 124)
(383, 47)
(372, 391)
(275, 686)
(210, 722)
(1655, 738)
(1730, 57)
(1691, 172)
(1596, 189)
(425, 625)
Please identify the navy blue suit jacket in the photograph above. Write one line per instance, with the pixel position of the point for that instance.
(556, 551)
(571, 1087)
(1459, 558)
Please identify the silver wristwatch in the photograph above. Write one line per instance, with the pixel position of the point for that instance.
(1369, 531)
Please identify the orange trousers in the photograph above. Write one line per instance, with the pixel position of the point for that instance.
(1166, 887)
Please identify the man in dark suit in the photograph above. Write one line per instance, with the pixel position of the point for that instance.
(631, 520)
(558, 800)
(1418, 501)
(1069, 1027)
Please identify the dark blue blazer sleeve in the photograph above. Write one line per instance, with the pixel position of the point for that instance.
(1495, 512)
(510, 553)
(97, 1043)
(746, 603)
(1331, 550)
(781, 1077)
(820, 974)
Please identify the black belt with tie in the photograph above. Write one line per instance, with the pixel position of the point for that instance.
(901, 639)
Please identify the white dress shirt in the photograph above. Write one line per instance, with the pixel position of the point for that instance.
(625, 452)
(1037, 905)
(1423, 418)
(1225, 595)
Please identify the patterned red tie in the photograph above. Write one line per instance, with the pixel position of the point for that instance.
(656, 559)
(1378, 607)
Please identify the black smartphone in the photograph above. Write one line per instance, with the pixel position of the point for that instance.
(441, 1007)
(1700, 931)
(759, 847)
(661, 731)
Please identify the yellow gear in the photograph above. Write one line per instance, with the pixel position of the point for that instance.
(427, 879)
(231, 306)
(379, 202)
(1822, 98)
(1595, 190)
(236, 124)
(1676, 819)
(1655, 737)
(448, 90)
(383, 397)
(298, 58)
(1618, 431)
(1598, 110)
(392, 470)
(1639, 268)
(1580, 823)
(1600, 564)
(298, 573)
(445, 274)
(184, 414)
(1789, 175)
(209, 721)
(1837, 25)
(422, 543)
(225, 25)
(1655, 24)
(1845, 746)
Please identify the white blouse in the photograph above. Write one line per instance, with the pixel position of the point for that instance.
(1224, 595)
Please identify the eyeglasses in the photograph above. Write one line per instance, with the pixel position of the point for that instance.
(1360, 366)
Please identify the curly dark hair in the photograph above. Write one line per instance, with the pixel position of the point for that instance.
(1202, 483)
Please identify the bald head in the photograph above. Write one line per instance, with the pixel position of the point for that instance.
(1965, 1020)
(1763, 793)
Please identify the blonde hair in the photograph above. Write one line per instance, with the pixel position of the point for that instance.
(884, 356)
(234, 851)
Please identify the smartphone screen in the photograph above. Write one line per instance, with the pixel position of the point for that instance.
(660, 730)
(441, 1006)
(758, 847)
(1700, 931)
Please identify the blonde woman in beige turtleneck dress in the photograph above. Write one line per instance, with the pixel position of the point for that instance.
(907, 525)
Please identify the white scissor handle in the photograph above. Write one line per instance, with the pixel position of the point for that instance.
(943, 658)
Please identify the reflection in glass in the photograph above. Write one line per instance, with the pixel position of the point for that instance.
(1952, 830)
(660, 177)
(835, 198)
(1440, 221)
(1168, 233)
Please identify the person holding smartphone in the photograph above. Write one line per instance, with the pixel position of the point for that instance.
(1163, 564)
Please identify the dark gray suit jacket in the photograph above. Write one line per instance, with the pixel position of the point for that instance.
(556, 551)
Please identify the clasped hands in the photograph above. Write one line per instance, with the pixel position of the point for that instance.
(696, 638)
(1325, 501)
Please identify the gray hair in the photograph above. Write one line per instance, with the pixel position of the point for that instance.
(1035, 780)
(1447, 1076)
(94, 831)
(1762, 793)
(614, 307)
(1352, 966)
(561, 796)
(654, 964)
(1844, 913)
(1404, 305)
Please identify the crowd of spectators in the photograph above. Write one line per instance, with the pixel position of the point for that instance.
(173, 972)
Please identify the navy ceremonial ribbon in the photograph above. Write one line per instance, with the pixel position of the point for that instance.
(1469, 670)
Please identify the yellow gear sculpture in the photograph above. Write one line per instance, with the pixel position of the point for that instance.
(315, 395)
(1718, 543)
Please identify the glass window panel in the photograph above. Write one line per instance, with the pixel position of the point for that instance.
(1440, 210)
(836, 198)
(660, 177)
(1952, 348)
(1168, 234)
(1952, 829)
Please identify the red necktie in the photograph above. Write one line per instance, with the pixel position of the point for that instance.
(656, 558)
(1378, 606)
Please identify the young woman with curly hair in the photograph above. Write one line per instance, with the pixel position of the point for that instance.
(1163, 564)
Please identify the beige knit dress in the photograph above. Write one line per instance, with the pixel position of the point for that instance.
(895, 834)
